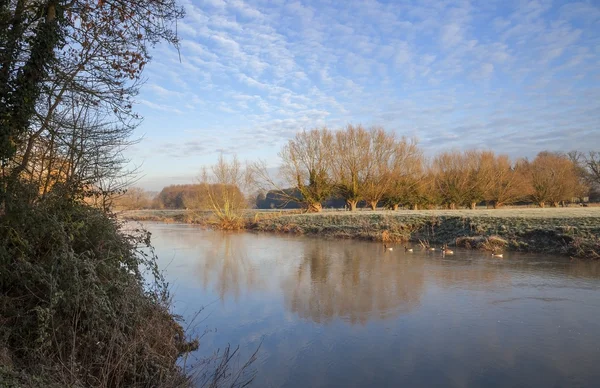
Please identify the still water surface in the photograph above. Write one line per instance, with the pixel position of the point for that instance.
(334, 313)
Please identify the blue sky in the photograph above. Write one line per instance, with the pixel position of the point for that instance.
(514, 76)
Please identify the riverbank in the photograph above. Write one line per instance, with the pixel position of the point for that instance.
(569, 231)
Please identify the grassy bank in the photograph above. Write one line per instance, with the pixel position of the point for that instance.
(574, 232)
(570, 231)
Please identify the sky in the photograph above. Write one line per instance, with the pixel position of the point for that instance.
(513, 76)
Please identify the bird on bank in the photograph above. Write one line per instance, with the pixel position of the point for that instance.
(385, 247)
(494, 254)
(407, 249)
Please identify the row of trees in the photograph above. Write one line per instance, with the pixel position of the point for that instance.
(374, 166)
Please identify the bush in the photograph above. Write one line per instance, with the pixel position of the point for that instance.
(75, 306)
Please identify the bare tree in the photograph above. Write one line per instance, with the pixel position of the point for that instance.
(222, 187)
(350, 163)
(592, 162)
(134, 198)
(452, 179)
(508, 182)
(407, 176)
(69, 55)
(480, 168)
(553, 178)
(306, 162)
(380, 164)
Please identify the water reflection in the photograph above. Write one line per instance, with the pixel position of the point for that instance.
(225, 265)
(356, 283)
(346, 313)
(467, 270)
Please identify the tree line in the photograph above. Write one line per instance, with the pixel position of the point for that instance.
(371, 167)
(374, 166)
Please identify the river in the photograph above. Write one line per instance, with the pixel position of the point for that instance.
(342, 313)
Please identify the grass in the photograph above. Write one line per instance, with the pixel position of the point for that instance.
(573, 231)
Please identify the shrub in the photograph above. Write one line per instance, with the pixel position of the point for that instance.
(82, 302)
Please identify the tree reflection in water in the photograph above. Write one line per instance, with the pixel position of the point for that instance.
(226, 265)
(357, 283)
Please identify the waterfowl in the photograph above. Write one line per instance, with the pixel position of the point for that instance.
(387, 248)
(407, 249)
(494, 254)
(447, 251)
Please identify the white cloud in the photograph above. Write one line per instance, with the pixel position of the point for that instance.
(431, 68)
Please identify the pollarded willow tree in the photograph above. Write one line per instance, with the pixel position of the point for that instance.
(509, 182)
(553, 178)
(380, 164)
(408, 175)
(452, 180)
(306, 162)
(350, 163)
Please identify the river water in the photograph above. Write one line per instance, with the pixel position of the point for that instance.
(341, 313)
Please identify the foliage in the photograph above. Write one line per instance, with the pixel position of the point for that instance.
(68, 75)
(75, 304)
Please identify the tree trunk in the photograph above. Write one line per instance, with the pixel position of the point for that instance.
(452, 206)
(473, 205)
(554, 204)
(315, 207)
(395, 206)
(542, 204)
(351, 205)
(415, 207)
(373, 205)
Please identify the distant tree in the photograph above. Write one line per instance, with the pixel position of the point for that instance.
(592, 163)
(181, 197)
(452, 178)
(554, 178)
(133, 198)
(407, 175)
(350, 163)
(221, 189)
(380, 165)
(259, 202)
(306, 162)
(283, 199)
(509, 182)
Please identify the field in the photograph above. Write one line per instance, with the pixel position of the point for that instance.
(573, 231)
